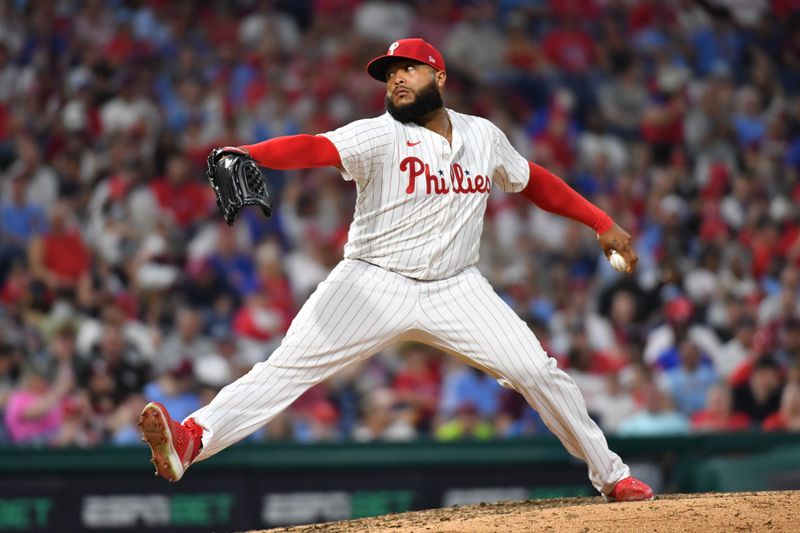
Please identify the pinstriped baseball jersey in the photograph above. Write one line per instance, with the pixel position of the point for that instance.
(420, 205)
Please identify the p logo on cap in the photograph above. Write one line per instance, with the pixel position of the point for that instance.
(415, 49)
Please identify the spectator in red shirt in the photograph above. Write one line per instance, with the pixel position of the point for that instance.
(554, 144)
(586, 10)
(418, 383)
(183, 199)
(648, 13)
(788, 416)
(272, 280)
(584, 357)
(718, 414)
(59, 258)
(662, 125)
(569, 48)
(122, 48)
(521, 52)
(259, 319)
(588, 367)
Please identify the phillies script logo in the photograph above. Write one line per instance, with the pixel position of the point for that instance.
(435, 183)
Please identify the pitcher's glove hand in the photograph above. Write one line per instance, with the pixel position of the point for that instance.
(237, 182)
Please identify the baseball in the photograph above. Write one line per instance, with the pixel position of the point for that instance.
(618, 262)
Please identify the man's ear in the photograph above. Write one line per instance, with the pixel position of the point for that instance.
(441, 78)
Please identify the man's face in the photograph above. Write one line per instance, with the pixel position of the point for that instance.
(690, 355)
(412, 90)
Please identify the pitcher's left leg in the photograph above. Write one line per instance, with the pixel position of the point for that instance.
(470, 319)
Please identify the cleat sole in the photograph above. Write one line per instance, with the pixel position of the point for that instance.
(156, 433)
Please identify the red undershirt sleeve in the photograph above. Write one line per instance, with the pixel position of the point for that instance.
(295, 152)
(551, 193)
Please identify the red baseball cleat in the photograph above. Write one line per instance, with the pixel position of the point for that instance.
(174, 445)
(630, 489)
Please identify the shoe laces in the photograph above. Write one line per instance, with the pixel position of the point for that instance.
(191, 439)
(628, 483)
(195, 430)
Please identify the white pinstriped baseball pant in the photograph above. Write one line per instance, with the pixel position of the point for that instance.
(361, 309)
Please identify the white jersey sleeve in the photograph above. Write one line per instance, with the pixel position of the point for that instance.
(510, 171)
(361, 144)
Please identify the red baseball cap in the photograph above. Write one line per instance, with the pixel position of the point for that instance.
(679, 309)
(416, 49)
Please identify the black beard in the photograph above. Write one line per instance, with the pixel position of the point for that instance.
(426, 100)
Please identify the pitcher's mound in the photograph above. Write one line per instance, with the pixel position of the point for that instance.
(707, 513)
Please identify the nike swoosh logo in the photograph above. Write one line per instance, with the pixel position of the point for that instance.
(413, 144)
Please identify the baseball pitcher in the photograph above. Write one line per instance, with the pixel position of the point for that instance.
(423, 175)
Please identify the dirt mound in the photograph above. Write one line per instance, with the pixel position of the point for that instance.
(710, 513)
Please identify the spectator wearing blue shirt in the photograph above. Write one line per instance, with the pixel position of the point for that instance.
(748, 121)
(176, 389)
(470, 386)
(688, 383)
(719, 43)
(20, 221)
(656, 417)
(233, 265)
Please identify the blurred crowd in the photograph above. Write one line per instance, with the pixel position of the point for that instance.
(119, 284)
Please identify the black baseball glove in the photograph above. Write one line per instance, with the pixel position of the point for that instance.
(237, 182)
